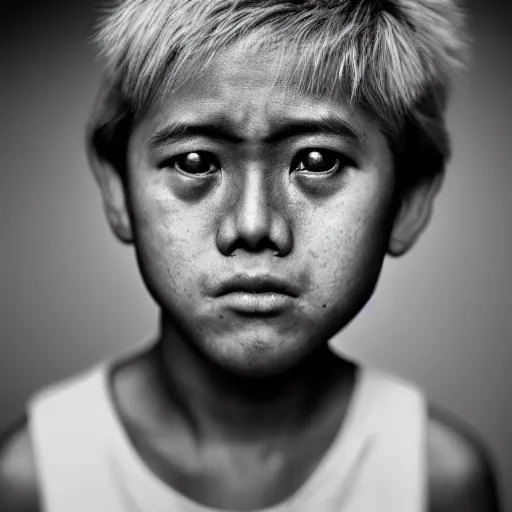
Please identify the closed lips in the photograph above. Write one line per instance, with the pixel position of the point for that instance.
(260, 284)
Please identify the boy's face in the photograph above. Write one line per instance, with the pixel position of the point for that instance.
(239, 184)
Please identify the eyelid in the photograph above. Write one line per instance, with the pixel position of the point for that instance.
(190, 145)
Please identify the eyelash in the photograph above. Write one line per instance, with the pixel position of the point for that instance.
(340, 161)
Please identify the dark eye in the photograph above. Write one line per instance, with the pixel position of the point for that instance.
(318, 160)
(195, 162)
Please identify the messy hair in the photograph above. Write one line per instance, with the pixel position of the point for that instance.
(394, 58)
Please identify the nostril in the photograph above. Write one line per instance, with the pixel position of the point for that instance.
(261, 245)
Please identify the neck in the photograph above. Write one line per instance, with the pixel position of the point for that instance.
(217, 403)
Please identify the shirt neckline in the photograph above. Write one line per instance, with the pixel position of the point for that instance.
(152, 493)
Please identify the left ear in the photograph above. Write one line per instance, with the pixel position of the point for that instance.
(414, 213)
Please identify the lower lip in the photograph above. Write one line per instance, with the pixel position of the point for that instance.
(256, 303)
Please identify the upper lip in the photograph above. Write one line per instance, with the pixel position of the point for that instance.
(257, 284)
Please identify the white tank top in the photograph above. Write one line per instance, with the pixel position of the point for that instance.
(87, 463)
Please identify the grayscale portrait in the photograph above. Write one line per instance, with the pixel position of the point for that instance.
(255, 256)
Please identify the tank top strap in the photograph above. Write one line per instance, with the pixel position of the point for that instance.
(73, 455)
(393, 471)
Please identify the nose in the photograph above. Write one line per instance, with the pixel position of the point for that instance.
(254, 220)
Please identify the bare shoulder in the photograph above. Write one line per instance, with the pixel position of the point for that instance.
(18, 479)
(461, 470)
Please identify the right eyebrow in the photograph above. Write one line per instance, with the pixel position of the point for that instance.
(179, 131)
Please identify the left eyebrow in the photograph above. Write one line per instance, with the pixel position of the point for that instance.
(326, 125)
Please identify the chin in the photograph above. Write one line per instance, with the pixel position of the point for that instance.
(258, 356)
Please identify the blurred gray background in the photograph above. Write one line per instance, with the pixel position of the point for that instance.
(71, 295)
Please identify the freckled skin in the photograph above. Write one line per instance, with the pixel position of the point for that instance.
(325, 233)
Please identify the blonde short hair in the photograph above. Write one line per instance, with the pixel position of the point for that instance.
(395, 58)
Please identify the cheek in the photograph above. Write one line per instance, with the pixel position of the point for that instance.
(162, 217)
(347, 241)
(169, 240)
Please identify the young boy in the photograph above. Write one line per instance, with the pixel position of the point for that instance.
(262, 157)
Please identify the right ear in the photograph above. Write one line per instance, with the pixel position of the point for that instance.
(112, 186)
(106, 144)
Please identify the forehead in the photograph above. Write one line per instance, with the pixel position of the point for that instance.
(251, 92)
(253, 97)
